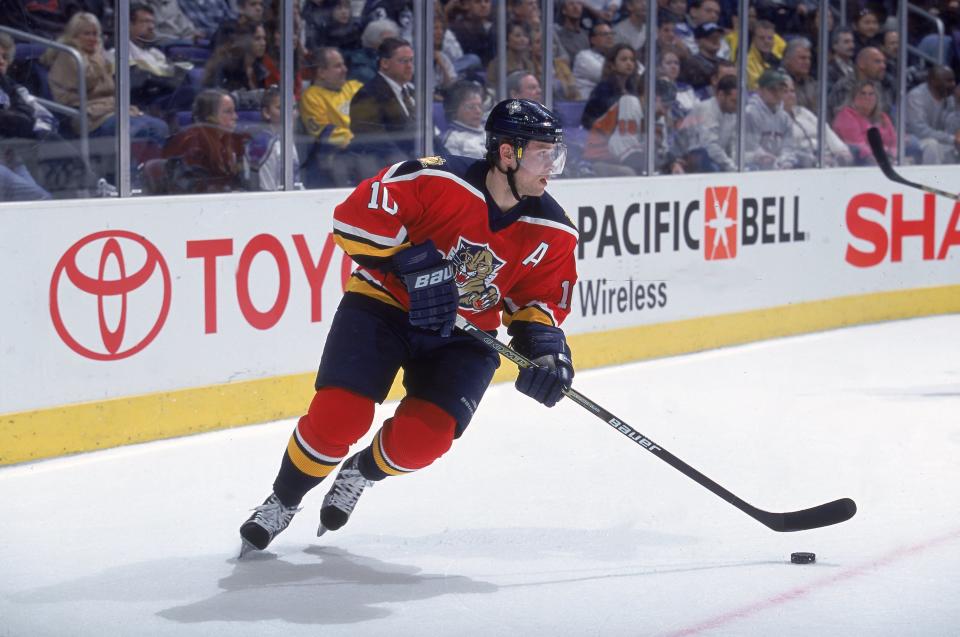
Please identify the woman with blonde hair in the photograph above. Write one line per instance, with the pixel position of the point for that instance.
(860, 114)
(84, 34)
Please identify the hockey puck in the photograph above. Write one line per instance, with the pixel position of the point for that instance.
(803, 558)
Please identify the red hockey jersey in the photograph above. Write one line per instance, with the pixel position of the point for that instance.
(522, 261)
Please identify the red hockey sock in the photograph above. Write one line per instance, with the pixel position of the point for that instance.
(337, 418)
(419, 433)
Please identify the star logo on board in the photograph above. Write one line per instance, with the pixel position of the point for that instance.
(720, 223)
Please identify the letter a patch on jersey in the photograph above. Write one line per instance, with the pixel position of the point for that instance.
(537, 255)
(477, 267)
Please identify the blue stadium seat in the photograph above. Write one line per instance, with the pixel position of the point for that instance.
(197, 55)
(569, 112)
(439, 117)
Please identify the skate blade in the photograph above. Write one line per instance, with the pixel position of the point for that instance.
(246, 547)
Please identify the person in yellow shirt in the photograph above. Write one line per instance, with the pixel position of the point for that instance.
(325, 112)
(766, 47)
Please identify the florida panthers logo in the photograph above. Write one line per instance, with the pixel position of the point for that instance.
(477, 267)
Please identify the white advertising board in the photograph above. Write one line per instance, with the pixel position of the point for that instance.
(113, 298)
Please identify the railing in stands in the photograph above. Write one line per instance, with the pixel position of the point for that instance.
(80, 113)
(938, 23)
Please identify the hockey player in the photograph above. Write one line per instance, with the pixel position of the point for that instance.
(433, 237)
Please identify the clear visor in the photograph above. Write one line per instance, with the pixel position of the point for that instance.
(544, 161)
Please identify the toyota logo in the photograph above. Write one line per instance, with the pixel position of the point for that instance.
(100, 298)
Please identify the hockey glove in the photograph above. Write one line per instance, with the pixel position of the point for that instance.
(434, 296)
(547, 348)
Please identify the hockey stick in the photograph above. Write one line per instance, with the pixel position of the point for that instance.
(816, 517)
(876, 146)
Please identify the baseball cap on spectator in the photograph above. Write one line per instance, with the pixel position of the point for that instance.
(707, 29)
(772, 78)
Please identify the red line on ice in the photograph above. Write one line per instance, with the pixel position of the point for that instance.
(802, 591)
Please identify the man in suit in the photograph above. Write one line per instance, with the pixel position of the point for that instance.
(382, 115)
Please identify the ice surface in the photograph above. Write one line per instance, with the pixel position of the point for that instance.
(540, 522)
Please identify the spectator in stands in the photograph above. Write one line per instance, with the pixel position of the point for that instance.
(249, 13)
(805, 22)
(928, 106)
(20, 113)
(669, 68)
(697, 69)
(238, 64)
(761, 57)
(564, 84)
(444, 71)
(633, 29)
(464, 112)
(841, 55)
(768, 139)
(524, 11)
(710, 130)
(209, 155)
(805, 126)
(588, 64)
(866, 29)
(29, 133)
(519, 55)
(699, 12)
(524, 85)
(83, 33)
(325, 107)
(273, 55)
(862, 112)
(723, 69)
(569, 36)
(605, 10)
(890, 46)
(157, 84)
(325, 112)
(399, 11)
(797, 60)
(330, 23)
(870, 65)
(364, 64)
(18, 185)
(19, 122)
(667, 34)
(172, 24)
(464, 63)
(44, 19)
(208, 15)
(382, 115)
(614, 118)
(732, 39)
(620, 77)
(265, 146)
(474, 30)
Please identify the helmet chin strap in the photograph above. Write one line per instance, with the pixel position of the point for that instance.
(511, 179)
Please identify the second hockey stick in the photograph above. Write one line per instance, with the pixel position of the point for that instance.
(876, 147)
(812, 518)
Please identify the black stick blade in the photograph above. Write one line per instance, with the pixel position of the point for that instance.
(883, 162)
(823, 515)
(880, 154)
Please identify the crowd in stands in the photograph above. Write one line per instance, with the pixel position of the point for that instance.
(205, 111)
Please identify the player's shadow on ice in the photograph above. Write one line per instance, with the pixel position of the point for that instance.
(340, 588)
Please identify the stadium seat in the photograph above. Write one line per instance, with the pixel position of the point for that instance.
(195, 54)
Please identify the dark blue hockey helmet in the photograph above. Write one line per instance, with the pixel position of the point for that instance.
(519, 121)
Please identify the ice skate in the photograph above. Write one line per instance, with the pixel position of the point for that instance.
(266, 523)
(339, 502)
